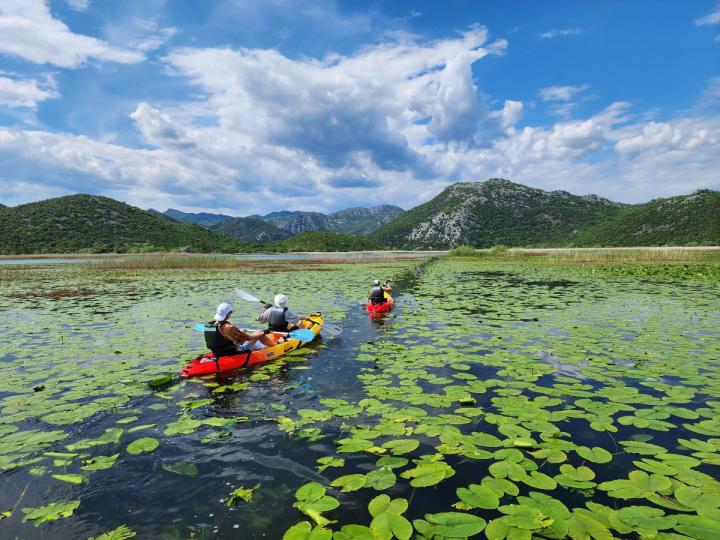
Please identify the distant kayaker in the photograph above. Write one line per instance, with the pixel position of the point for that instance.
(279, 317)
(377, 293)
(224, 339)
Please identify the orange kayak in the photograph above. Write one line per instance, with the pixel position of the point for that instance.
(208, 364)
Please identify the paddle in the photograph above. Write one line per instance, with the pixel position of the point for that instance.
(247, 296)
(329, 330)
(302, 334)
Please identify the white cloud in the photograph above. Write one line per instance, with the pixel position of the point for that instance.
(158, 129)
(560, 32)
(404, 117)
(25, 92)
(28, 30)
(663, 137)
(342, 109)
(560, 93)
(78, 5)
(709, 19)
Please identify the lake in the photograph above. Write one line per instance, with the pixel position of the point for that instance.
(498, 400)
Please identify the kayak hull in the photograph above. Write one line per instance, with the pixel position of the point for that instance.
(207, 364)
(381, 308)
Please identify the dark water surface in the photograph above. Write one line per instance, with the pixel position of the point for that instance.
(537, 358)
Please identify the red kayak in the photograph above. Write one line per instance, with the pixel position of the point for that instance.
(381, 308)
(208, 364)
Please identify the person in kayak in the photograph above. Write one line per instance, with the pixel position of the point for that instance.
(377, 293)
(279, 317)
(224, 339)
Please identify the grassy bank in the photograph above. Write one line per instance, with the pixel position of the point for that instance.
(665, 262)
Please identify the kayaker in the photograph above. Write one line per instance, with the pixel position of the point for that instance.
(224, 339)
(279, 317)
(377, 293)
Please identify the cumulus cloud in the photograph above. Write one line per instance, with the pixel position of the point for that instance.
(28, 30)
(158, 129)
(25, 92)
(340, 109)
(560, 32)
(711, 18)
(404, 117)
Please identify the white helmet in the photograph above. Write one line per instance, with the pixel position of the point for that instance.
(376, 282)
(280, 301)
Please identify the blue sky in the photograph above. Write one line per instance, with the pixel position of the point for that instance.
(246, 107)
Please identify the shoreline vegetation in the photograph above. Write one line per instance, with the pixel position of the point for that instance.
(643, 262)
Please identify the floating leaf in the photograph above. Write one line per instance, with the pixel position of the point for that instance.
(50, 512)
(329, 461)
(140, 446)
(349, 482)
(99, 463)
(428, 474)
(121, 533)
(594, 454)
(183, 468)
(478, 496)
(380, 479)
(241, 494)
(70, 478)
(401, 446)
(450, 525)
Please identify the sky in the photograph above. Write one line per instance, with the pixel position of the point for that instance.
(244, 107)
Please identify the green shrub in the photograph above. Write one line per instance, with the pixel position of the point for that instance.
(463, 251)
(498, 250)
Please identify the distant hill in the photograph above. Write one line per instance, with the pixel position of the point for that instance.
(497, 211)
(363, 220)
(351, 220)
(205, 219)
(99, 224)
(254, 230)
(682, 220)
(326, 241)
(295, 222)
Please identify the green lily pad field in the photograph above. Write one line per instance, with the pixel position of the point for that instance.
(498, 399)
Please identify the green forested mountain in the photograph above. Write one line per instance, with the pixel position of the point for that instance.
(206, 219)
(684, 220)
(326, 241)
(358, 220)
(98, 224)
(479, 214)
(483, 214)
(253, 230)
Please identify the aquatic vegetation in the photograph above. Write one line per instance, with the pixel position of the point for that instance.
(502, 399)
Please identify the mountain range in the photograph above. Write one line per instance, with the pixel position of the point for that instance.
(277, 226)
(500, 212)
(478, 214)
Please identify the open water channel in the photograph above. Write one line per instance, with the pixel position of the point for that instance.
(496, 400)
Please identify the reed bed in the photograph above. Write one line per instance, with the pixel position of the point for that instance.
(170, 262)
(654, 255)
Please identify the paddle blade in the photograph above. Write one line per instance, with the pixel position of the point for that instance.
(200, 327)
(331, 330)
(246, 295)
(303, 335)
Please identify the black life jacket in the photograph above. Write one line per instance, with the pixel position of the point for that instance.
(216, 342)
(277, 321)
(377, 295)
